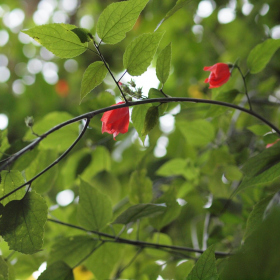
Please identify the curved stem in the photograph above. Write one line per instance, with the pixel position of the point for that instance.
(245, 85)
(109, 70)
(128, 264)
(136, 242)
(89, 254)
(52, 164)
(122, 76)
(90, 115)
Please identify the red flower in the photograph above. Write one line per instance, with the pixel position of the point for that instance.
(219, 75)
(116, 121)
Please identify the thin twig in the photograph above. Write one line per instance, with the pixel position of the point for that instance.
(10, 255)
(109, 70)
(118, 274)
(89, 254)
(136, 242)
(52, 164)
(122, 76)
(245, 86)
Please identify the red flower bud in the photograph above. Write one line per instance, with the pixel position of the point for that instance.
(116, 121)
(62, 88)
(219, 75)
(271, 144)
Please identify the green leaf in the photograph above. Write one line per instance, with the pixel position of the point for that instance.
(1, 209)
(140, 187)
(72, 249)
(197, 133)
(27, 264)
(205, 268)
(63, 138)
(179, 4)
(270, 138)
(12, 274)
(151, 120)
(93, 76)
(171, 211)
(256, 216)
(101, 161)
(83, 34)
(261, 55)
(155, 93)
(45, 181)
(58, 38)
(164, 64)
(159, 238)
(140, 52)
(106, 256)
(138, 118)
(57, 271)
(117, 19)
(4, 143)
(75, 164)
(109, 184)
(4, 269)
(232, 173)
(262, 168)
(259, 129)
(179, 166)
(228, 96)
(258, 257)
(22, 223)
(94, 209)
(139, 211)
(10, 180)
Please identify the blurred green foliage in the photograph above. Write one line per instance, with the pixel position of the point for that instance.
(190, 162)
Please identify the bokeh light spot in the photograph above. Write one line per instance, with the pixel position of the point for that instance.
(60, 17)
(18, 87)
(65, 197)
(87, 21)
(69, 6)
(3, 60)
(4, 74)
(160, 149)
(4, 37)
(3, 121)
(71, 65)
(14, 18)
(275, 32)
(34, 66)
(247, 8)
(205, 9)
(226, 15)
(166, 123)
(264, 9)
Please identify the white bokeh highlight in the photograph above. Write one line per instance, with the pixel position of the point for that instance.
(65, 197)
(3, 121)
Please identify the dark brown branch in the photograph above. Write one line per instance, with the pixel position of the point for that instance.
(52, 164)
(136, 242)
(136, 103)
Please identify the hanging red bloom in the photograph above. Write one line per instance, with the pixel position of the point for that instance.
(219, 75)
(116, 121)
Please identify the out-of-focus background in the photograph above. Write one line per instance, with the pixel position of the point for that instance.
(33, 82)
